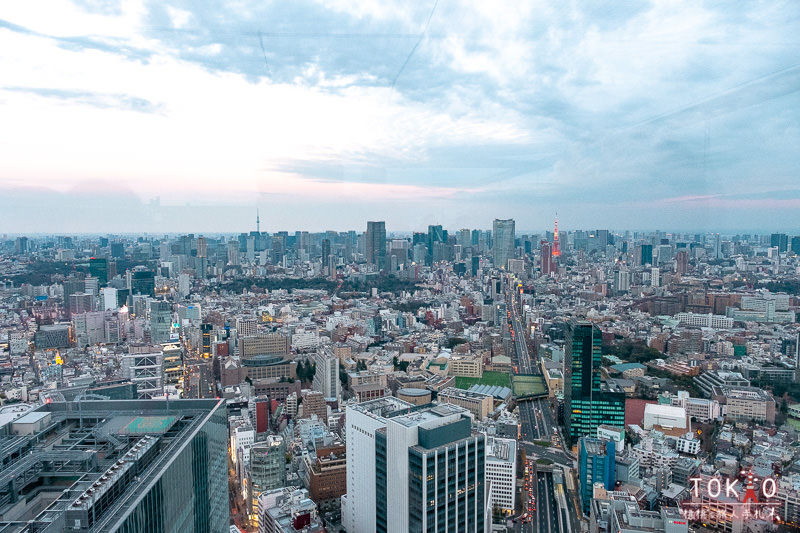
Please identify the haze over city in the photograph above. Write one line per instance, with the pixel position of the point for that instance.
(178, 117)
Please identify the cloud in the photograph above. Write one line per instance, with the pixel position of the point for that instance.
(102, 101)
(515, 109)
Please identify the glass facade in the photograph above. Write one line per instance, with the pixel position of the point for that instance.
(447, 486)
(380, 481)
(186, 490)
(596, 465)
(588, 402)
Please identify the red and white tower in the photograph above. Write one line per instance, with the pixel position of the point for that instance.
(556, 246)
(750, 490)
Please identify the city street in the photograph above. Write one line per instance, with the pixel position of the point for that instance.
(540, 439)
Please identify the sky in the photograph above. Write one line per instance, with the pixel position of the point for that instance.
(189, 116)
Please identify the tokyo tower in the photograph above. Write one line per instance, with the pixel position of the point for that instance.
(556, 245)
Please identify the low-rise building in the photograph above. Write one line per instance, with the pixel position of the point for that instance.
(465, 366)
(478, 404)
(743, 404)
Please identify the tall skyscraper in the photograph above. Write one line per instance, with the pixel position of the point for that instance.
(233, 252)
(150, 466)
(376, 244)
(98, 267)
(643, 254)
(143, 282)
(781, 240)
(682, 261)
(588, 402)
(160, 321)
(435, 234)
(717, 252)
(326, 378)
(418, 469)
(503, 242)
(267, 467)
(547, 262)
(796, 245)
(596, 465)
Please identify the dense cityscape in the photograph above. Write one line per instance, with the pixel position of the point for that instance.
(480, 380)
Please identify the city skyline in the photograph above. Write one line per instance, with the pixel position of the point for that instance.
(172, 117)
(394, 233)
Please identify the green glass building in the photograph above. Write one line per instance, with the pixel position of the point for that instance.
(588, 402)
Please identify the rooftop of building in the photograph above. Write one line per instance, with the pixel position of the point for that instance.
(745, 393)
(94, 443)
(628, 366)
(409, 391)
(382, 407)
(426, 414)
(666, 411)
(498, 391)
(594, 446)
(453, 392)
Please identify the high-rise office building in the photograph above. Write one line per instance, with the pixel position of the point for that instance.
(796, 245)
(643, 254)
(547, 263)
(233, 252)
(267, 467)
(682, 261)
(417, 469)
(501, 473)
(246, 326)
(596, 464)
(21, 245)
(326, 377)
(326, 251)
(143, 282)
(376, 244)
(435, 234)
(117, 250)
(503, 249)
(148, 466)
(81, 302)
(314, 404)
(781, 240)
(98, 267)
(160, 312)
(588, 402)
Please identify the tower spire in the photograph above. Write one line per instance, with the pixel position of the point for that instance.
(556, 244)
(258, 222)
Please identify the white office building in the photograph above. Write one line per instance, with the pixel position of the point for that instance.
(501, 473)
(326, 378)
(417, 467)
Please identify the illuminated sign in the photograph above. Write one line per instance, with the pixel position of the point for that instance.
(714, 487)
(716, 499)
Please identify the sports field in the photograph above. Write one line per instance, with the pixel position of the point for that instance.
(528, 385)
(489, 378)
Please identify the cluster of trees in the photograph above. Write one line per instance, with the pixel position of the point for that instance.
(412, 306)
(382, 283)
(452, 342)
(399, 365)
(306, 370)
(789, 286)
(779, 389)
(681, 382)
(633, 351)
